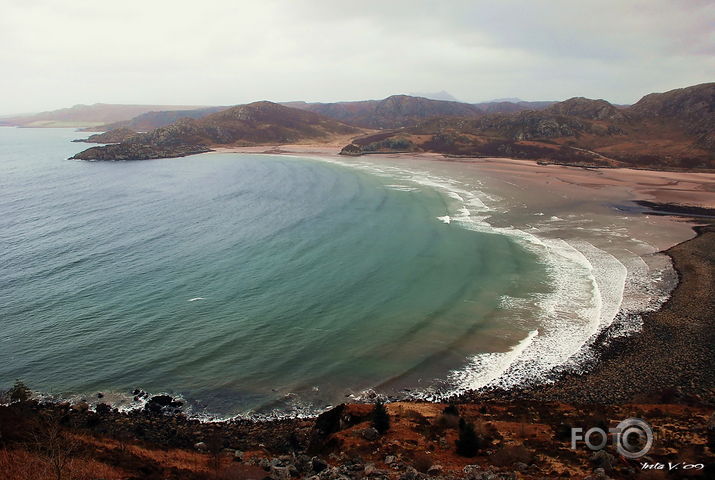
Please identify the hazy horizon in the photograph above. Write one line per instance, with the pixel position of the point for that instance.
(225, 53)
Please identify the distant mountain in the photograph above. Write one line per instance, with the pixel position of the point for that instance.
(443, 95)
(672, 130)
(511, 107)
(505, 100)
(258, 123)
(392, 112)
(86, 115)
(116, 135)
(155, 119)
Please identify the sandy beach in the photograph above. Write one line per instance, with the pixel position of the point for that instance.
(696, 189)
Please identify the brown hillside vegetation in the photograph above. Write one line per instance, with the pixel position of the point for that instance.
(512, 440)
(257, 123)
(675, 129)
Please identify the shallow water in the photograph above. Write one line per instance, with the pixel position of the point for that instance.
(253, 283)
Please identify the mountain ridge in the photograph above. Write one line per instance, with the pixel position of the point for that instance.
(671, 130)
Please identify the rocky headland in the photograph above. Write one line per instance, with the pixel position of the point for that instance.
(259, 123)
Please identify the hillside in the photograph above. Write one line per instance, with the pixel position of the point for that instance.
(511, 106)
(391, 112)
(672, 130)
(155, 119)
(693, 108)
(112, 136)
(257, 123)
(86, 115)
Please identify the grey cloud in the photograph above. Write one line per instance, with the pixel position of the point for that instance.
(63, 52)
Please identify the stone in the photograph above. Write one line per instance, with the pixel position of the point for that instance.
(390, 459)
(280, 473)
(370, 434)
(80, 407)
(318, 464)
(200, 446)
(471, 469)
(603, 459)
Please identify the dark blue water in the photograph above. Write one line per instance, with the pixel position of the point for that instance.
(242, 282)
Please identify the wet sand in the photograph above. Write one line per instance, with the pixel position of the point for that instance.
(686, 188)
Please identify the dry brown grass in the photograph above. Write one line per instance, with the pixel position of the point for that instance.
(20, 464)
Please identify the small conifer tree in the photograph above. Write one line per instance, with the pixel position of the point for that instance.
(469, 442)
(380, 417)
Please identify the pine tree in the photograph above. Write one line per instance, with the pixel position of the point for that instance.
(380, 417)
(468, 443)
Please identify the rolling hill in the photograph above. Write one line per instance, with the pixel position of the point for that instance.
(674, 130)
(257, 123)
(86, 115)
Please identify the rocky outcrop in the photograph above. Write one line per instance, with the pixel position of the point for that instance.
(132, 151)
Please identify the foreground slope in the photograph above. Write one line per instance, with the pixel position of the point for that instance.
(244, 125)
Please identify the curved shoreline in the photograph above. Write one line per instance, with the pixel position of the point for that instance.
(670, 360)
(598, 347)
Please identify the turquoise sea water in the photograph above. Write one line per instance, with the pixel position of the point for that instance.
(241, 282)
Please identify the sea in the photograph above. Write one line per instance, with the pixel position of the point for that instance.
(273, 285)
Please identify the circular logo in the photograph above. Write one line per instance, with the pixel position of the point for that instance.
(635, 437)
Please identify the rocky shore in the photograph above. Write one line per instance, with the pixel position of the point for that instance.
(138, 151)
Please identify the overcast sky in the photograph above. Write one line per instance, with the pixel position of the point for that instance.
(57, 53)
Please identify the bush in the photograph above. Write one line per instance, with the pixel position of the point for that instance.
(451, 409)
(380, 418)
(468, 443)
(422, 462)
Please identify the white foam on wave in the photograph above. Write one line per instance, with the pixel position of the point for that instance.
(195, 299)
(485, 368)
(402, 188)
(446, 219)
